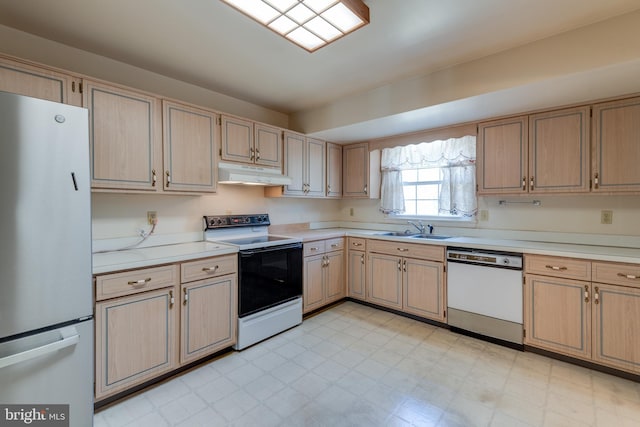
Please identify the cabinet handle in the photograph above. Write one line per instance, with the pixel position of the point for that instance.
(154, 178)
(356, 244)
(531, 183)
(596, 296)
(399, 265)
(595, 181)
(257, 154)
(314, 248)
(586, 293)
(171, 299)
(328, 189)
(251, 154)
(524, 183)
(404, 265)
(327, 262)
(334, 245)
(139, 282)
(168, 179)
(629, 276)
(402, 249)
(362, 259)
(210, 269)
(186, 297)
(555, 267)
(365, 189)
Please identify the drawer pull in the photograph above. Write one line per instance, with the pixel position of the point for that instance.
(314, 248)
(139, 282)
(334, 245)
(402, 249)
(629, 276)
(356, 244)
(210, 269)
(362, 259)
(596, 296)
(555, 267)
(586, 293)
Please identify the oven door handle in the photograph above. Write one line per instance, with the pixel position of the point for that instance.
(250, 252)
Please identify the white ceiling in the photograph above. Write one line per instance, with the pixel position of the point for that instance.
(207, 43)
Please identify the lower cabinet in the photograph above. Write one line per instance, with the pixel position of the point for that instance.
(406, 277)
(148, 323)
(356, 268)
(209, 307)
(597, 319)
(323, 273)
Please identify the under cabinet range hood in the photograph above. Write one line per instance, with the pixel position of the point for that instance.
(232, 173)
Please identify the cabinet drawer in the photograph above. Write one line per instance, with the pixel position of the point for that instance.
(357, 243)
(411, 250)
(616, 273)
(208, 267)
(569, 268)
(132, 282)
(331, 245)
(314, 248)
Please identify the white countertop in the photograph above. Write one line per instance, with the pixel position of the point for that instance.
(135, 258)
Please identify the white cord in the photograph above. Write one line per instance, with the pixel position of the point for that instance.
(144, 235)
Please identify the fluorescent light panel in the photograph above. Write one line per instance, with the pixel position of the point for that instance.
(310, 24)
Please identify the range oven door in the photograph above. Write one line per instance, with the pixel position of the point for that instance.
(268, 277)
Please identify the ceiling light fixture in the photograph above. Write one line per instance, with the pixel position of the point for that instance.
(311, 24)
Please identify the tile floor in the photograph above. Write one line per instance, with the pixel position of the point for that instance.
(357, 366)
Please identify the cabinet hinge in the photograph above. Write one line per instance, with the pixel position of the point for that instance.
(80, 87)
(444, 268)
(590, 184)
(477, 188)
(73, 86)
(524, 333)
(524, 280)
(444, 313)
(220, 151)
(220, 121)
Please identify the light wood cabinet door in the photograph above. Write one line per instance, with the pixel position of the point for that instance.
(334, 170)
(124, 138)
(313, 292)
(237, 139)
(423, 288)
(37, 82)
(558, 315)
(208, 317)
(559, 151)
(135, 340)
(268, 145)
(356, 270)
(316, 169)
(334, 276)
(616, 321)
(190, 145)
(616, 146)
(384, 280)
(294, 155)
(355, 170)
(502, 156)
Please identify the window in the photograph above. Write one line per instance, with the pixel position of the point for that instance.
(430, 179)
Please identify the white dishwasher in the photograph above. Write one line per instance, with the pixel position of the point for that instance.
(484, 293)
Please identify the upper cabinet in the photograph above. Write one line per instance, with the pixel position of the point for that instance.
(616, 146)
(124, 137)
(39, 82)
(305, 163)
(541, 153)
(190, 141)
(360, 172)
(334, 170)
(253, 143)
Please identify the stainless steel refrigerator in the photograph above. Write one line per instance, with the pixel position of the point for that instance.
(46, 315)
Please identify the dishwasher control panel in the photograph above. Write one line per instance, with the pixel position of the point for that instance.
(485, 257)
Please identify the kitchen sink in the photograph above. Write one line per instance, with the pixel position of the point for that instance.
(397, 233)
(430, 236)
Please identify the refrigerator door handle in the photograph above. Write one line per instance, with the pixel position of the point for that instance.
(68, 336)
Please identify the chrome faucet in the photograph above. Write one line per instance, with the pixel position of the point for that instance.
(421, 227)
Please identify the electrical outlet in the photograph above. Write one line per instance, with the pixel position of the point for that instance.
(606, 217)
(484, 215)
(350, 211)
(152, 217)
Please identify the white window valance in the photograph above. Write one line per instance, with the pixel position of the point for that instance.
(456, 159)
